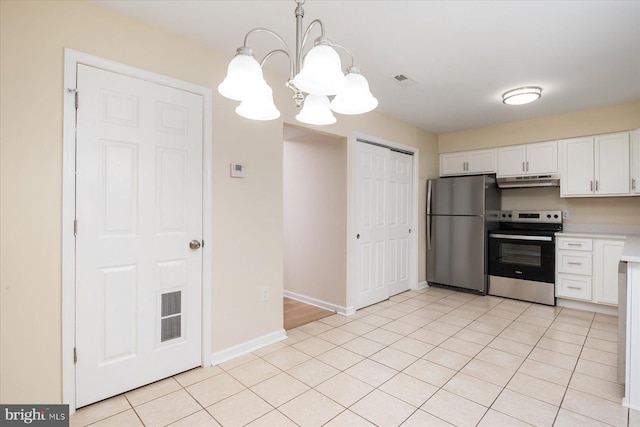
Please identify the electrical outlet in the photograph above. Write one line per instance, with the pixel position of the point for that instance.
(565, 214)
(265, 294)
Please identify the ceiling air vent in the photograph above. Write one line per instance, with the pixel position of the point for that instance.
(404, 80)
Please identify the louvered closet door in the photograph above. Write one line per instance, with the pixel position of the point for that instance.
(139, 204)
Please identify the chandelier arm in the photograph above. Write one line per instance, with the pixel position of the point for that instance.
(346, 50)
(306, 34)
(273, 52)
(267, 31)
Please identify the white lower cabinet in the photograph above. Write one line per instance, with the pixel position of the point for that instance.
(575, 287)
(587, 269)
(605, 272)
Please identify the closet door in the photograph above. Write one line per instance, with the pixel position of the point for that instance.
(399, 208)
(383, 221)
(372, 176)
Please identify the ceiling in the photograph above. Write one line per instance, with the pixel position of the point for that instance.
(462, 54)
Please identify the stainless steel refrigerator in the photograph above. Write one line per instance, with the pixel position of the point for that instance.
(460, 212)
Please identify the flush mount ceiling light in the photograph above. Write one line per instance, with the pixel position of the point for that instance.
(318, 74)
(522, 95)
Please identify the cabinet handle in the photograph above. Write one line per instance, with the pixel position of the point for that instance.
(523, 169)
(596, 185)
(590, 185)
(574, 287)
(633, 184)
(574, 263)
(527, 166)
(466, 166)
(574, 244)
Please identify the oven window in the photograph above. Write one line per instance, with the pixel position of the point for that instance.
(518, 254)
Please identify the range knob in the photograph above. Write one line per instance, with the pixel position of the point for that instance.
(549, 216)
(556, 216)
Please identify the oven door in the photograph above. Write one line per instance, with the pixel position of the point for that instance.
(522, 256)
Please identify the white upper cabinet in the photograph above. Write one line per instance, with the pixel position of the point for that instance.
(595, 166)
(529, 159)
(468, 162)
(635, 161)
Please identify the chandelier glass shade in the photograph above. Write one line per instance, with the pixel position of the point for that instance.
(259, 105)
(316, 111)
(244, 75)
(313, 77)
(355, 98)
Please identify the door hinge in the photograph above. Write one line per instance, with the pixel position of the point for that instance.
(75, 227)
(75, 355)
(75, 95)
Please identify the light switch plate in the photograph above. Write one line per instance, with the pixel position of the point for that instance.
(237, 170)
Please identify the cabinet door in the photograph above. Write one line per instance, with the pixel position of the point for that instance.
(577, 167)
(542, 158)
(635, 162)
(512, 160)
(481, 161)
(612, 164)
(606, 258)
(453, 163)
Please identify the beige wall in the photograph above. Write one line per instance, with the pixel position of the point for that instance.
(247, 213)
(600, 210)
(315, 218)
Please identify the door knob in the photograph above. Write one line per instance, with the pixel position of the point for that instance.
(195, 244)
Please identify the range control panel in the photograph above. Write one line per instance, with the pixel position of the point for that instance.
(553, 217)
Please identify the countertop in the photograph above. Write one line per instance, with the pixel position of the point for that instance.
(631, 249)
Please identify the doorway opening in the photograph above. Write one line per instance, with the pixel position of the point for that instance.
(315, 219)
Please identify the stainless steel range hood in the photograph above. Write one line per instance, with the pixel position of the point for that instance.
(551, 180)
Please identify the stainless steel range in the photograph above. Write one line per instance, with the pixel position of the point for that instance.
(522, 254)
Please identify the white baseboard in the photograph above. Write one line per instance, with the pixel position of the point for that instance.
(247, 347)
(345, 311)
(587, 306)
(422, 285)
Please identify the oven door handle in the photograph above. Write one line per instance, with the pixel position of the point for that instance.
(520, 237)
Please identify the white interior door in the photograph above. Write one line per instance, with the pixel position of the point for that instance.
(399, 208)
(138, 206)
(372, 174)
(383, 212)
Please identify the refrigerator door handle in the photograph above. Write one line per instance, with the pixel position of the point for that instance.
(428, 197)
(429, 215)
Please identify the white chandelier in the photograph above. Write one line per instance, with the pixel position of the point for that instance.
(318, 74)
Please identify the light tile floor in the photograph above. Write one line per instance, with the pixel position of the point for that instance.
(432, 357)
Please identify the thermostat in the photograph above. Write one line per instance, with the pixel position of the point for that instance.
(237, 170)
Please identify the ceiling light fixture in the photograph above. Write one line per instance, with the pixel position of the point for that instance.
(522, 95)
(318, 73)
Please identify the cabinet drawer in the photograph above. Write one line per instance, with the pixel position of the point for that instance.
(577, 287)
(574, 262)
(575, 244)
